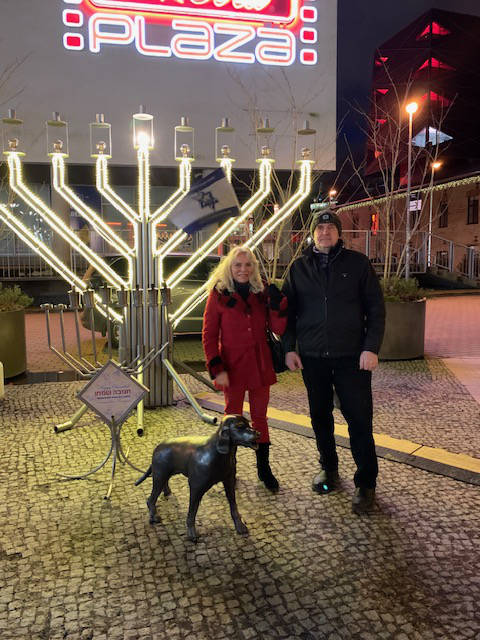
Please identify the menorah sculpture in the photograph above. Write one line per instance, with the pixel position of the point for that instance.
(141, 311)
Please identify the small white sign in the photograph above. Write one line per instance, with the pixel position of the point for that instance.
(112, 394)
(415, 202)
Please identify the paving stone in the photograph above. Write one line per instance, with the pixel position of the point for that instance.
(309, 566)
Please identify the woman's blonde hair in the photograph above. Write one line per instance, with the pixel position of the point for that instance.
(221, 278)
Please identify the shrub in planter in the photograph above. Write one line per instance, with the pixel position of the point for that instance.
(405, 320)
(13, 351)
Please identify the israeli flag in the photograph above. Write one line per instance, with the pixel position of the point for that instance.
(210, 199)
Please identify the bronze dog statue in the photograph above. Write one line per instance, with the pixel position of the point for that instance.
(204, 461)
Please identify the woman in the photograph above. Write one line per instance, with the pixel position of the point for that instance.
(236, 317)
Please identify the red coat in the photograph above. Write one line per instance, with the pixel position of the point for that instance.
(234, 337)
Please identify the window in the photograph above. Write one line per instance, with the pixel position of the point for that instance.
(434, 29)
(443, 215)
(472, 210)
(435, 63)
(441, 259)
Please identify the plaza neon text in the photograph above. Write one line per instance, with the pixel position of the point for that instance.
(196, 40)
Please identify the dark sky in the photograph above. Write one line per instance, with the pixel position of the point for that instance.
(363, 25)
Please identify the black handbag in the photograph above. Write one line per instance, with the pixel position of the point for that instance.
(278, 354)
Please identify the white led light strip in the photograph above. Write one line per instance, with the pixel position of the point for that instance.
(185, 171)
(50, 258)
(57, 224)
(58, 165)
(228, 226)
(303, 189)
(107, 192)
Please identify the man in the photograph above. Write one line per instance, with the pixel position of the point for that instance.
(336, 316)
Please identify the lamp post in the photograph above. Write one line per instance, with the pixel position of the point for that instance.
(411, 108)
(435, 165)
(331, 197)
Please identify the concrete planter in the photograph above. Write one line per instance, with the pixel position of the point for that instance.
(13, 349)
(404, 330)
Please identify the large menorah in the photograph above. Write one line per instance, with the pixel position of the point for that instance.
(142, 297)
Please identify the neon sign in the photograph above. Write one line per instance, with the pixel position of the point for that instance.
(281, 11)
(269, 32)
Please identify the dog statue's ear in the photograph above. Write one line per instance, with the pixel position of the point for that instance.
(223, 442)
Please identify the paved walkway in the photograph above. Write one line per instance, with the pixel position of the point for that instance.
(77, 567)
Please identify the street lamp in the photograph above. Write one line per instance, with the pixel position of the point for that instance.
(331, 196)
(434, 165)
(411, 108)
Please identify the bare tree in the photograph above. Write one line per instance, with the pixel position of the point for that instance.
(291, 116)
(386, 131)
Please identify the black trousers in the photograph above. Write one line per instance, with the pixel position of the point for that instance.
(354, 390)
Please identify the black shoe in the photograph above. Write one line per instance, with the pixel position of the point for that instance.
(265, 474)
(363, 500)
(325, 481)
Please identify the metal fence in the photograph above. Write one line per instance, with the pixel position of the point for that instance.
(18, 261)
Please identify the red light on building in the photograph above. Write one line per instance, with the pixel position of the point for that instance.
(374, 225)
(435, 29)
(434, 63)
(283, 11)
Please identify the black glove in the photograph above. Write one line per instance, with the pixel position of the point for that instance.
(275, 297)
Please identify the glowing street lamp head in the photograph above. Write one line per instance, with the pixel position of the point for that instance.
(411, 108)
(436, 165)
(142, 130)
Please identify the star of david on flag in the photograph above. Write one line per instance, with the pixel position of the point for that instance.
(211, 199)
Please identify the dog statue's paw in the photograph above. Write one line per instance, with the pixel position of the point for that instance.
(241, 528)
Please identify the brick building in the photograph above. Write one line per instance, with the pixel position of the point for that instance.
(453, 205)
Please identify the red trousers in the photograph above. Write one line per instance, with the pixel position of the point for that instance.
(258, 399)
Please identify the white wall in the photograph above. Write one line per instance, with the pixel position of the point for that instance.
(118, 78)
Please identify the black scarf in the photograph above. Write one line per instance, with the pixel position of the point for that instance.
(242, 288)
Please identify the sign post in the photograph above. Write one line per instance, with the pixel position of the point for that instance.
(112, 394)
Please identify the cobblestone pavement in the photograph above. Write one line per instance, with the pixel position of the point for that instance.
(75, 566)
(419, 400)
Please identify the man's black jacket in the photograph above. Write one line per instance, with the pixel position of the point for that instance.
(334, 311)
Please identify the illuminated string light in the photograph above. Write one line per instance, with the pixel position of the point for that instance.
(185, 172)
(58, 165)
(303, 189)
(107, 192)
(50, 258)
(398, 195)
(57, 224)
(227, 165)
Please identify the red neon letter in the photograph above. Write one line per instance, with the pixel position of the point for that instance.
(226, 52)
(196, 47)
(148, 49)
(97, 36)
(279, 52)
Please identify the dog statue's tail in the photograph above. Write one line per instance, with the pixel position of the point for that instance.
(147, 473)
